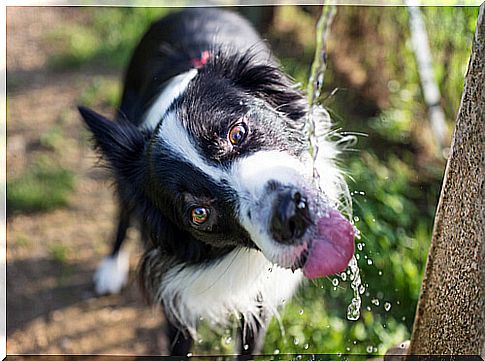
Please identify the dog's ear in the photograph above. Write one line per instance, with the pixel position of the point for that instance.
(120, 142)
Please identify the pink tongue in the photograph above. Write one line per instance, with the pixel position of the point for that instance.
(332, 247)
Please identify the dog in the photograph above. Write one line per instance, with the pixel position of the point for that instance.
(210, 155)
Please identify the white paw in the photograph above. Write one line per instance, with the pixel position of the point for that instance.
(112, 274)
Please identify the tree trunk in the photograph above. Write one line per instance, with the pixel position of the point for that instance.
(450, 317)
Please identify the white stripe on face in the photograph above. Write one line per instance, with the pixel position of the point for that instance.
(174, 89)
(175, 136)
(250, 177)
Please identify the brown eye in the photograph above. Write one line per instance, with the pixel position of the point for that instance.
(238, 133)
(199, 215)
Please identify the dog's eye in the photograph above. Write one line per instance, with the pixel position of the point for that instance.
(199, 215)
(238, 133)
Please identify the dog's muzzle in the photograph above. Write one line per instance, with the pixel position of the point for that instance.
(313, 235)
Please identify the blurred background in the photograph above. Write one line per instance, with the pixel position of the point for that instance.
(61, 208)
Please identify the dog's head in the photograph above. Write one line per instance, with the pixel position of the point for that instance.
(225, 162)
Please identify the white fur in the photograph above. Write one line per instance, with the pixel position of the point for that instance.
(250, 175)
(228, 287)
(177, 138)
(112, 274)
(174, 89)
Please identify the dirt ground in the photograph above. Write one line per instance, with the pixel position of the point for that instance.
(51, 304)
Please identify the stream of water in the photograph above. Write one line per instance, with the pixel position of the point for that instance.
(315, 84)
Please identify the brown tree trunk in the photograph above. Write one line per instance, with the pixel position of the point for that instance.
(450, 317)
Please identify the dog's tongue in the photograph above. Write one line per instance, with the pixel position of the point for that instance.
(332, 248)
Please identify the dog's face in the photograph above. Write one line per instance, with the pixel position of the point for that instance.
(227, 164)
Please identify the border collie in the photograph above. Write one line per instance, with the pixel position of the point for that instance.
(210, 155)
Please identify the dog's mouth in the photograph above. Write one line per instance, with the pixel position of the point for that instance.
(330, 247)
(326, 246)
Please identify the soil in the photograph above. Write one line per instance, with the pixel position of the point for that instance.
(50, 300)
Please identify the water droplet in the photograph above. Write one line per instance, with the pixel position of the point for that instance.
(369, 349)
(362, 193)
(335, 282)
(343, 276)
(301, 312)
(387, 306)
(398, 302)
(375, 301)
(228, 340)
(356, 219)
(189, 354)
(339, 354)
(357, 256)
(368, 308)
(296, 341)
(380, 273)
(403, 318)
(374, 349)
(306, 346)
(276, 352)
(246, 347)
(359, 246)
(353, 310)
(361, 289)
(369, 261)
(347, 349)
(355, 342)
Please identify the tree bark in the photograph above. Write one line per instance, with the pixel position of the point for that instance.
(450, 317)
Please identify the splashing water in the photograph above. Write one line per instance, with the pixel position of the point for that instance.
(315, 84)
(353, 310)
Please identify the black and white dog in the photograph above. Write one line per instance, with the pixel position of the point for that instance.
(210, 156)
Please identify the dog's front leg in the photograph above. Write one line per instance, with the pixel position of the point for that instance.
(251, 337)
(179, 342)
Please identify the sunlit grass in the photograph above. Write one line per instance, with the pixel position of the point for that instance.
(42, 187)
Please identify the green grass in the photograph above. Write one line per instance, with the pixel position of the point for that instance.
(59, 252)
(101, 91)
(42, 187)
(52, 139)
(22, 240)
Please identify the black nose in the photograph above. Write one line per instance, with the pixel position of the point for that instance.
(291, 216)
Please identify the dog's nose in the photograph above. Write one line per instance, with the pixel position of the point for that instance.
(291, 216)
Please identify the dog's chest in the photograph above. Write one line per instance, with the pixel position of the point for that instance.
(243, 282)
